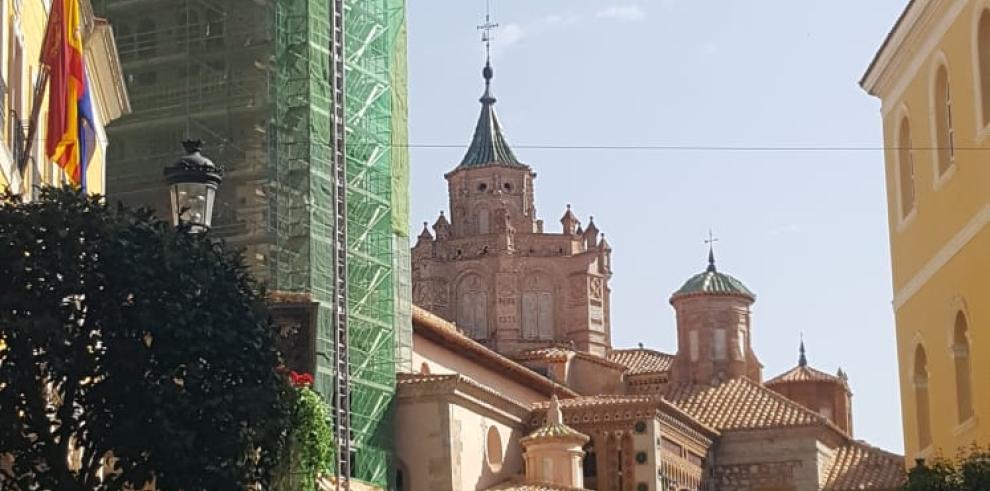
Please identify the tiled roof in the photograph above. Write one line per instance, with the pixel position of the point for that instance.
(448, 383)
(858, 466)
(804, 374)
(417, 379)
(489, 146)
(740, 404)
(556, 432)
(545, 353)
(518, 485)
(598, 401)
(641, 360)
(440, 331)
(712, 282)
(561, 353)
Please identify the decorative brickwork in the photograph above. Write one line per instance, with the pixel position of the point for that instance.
(776, 476)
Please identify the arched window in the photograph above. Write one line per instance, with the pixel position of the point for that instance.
(484, 221)
(537, 308)
(493, 449)
(983, 52)
(424, 369)
(693, 344)
(960, 354)
(905, 167)
(921, 402)
(472, 307)
(719, 342)
(944, 134)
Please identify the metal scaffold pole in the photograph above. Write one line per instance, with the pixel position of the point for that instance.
(342, 389)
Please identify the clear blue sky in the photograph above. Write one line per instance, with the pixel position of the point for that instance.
(805, 230)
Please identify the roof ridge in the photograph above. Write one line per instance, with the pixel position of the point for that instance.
(782, 378)
(639, 349)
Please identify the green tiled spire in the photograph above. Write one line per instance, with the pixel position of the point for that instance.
(489, 147)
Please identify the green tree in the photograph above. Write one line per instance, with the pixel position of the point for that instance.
(309, 452)
(970, 471)
(129, 343)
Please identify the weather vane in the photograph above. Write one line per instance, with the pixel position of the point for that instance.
(487, 28)
(711, 250)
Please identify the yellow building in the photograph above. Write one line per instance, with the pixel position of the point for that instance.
(21, 35)
(932, 75)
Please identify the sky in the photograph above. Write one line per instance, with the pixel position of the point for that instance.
(806, 230)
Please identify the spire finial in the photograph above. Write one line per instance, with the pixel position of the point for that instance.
(554, 416)
(711, 251)
(486, 37)
(802, 360)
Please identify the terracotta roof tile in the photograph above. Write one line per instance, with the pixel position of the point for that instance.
(555, 432)
(545, 353)
(451, 382)
(518, 485)
(417, 379)
(740, 404)
(858, 466)
(562, 353)
(804, 374)
(641, 360)
(598, 401)
(437, 329)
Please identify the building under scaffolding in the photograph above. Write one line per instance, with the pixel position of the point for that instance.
(304, 104)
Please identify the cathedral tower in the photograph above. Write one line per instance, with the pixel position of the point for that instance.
(492, 268)
(713, 329)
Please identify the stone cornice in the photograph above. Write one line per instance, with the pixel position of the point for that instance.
(901, 45)
(458, 388)
(442, 332)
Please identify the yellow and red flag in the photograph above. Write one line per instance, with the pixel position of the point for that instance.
(71, 134)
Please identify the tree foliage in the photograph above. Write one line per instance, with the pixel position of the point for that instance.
(970, 471)
(309, 452)
(129, 344)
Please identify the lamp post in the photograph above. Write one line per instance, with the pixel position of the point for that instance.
(193, 181)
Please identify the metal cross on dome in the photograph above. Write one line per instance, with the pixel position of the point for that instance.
(711, 250)
(487, 28)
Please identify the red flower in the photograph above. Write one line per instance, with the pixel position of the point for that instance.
(301, 379)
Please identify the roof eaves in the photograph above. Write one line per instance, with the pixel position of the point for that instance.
(440, 330)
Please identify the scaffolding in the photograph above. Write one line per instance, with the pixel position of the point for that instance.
(275, 98)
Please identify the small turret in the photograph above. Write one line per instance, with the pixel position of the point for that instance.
(591, 234)
(829, 395)
(425, 237)
(713, 328)
(554, 451)
(442, 227)
(569, 221)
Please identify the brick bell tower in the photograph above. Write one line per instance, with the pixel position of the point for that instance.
(492, 269)
(713, 329)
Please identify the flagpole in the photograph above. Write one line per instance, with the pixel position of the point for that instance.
(39, 93)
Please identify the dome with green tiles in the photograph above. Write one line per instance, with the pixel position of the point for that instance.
(713, 282)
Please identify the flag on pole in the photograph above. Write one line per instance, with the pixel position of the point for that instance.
(71, 134)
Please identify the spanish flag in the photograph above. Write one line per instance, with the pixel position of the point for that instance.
(71, 133)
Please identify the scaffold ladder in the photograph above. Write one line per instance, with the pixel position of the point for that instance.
(342, 382)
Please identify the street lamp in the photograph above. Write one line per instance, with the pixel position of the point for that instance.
(193, 182)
